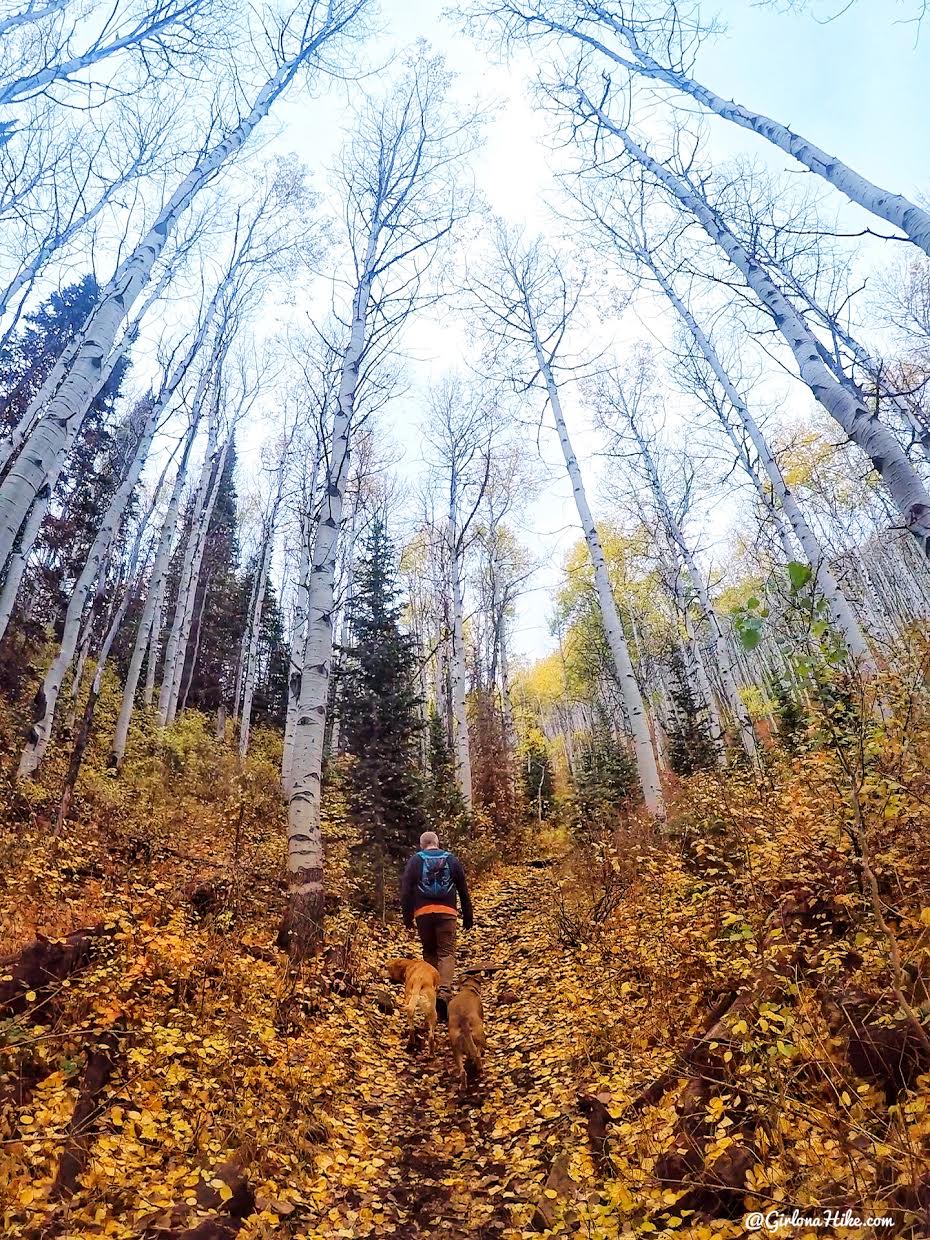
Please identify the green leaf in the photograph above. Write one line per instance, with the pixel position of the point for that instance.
(799, 575)
(749, 636)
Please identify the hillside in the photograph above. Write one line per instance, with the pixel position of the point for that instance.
(684, 1027)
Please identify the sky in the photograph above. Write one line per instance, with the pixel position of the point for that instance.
(858, 86)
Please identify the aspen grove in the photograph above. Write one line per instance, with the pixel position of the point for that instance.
(474, 421)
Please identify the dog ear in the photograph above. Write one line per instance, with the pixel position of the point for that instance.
(397, 968)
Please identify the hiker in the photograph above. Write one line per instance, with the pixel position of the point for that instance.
(428, 897)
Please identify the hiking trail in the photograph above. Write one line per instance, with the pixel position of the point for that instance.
(453, 1163)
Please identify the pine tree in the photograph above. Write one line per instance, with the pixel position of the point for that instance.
(220, 606)
(92, 472)
(442, 798)
(380, 719)
(605, 776)
(690, 747)
(270, 703)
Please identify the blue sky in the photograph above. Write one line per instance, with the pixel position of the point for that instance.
(856, 86)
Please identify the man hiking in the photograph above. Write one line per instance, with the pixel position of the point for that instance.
(428, 896)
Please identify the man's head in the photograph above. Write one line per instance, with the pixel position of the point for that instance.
(429, 839)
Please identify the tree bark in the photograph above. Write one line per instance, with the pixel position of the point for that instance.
(862, 426)
(255, 621)
(146, 632)
(897, 210)
(646, 765)
(461, 748)
(304, 837)
(840, 610)
(44, 445)
(47, 697)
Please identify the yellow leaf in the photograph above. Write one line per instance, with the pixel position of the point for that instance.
(550, 1193)
(31, 996)
(225, 1192)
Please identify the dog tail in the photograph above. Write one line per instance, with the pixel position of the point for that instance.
(418, 1004)
(468, 1044)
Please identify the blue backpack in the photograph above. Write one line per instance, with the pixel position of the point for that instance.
(435, 876)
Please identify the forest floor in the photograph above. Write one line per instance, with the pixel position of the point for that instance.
(683, 1027)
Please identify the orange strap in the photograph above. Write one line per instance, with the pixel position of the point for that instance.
(435, 908)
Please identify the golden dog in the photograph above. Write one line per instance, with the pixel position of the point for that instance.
(466, 1029)
(421, 982)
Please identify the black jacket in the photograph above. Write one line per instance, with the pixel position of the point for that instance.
(412, 899)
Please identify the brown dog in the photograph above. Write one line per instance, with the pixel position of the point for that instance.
(421, 982)
(466, 1029)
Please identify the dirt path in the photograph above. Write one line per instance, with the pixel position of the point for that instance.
(409, 1154)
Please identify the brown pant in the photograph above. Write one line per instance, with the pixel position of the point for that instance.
(437, 935)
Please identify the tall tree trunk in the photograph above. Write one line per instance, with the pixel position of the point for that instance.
(255, 622)
(154, 650)
(304, 837)
(29, 532)
(189, 600)
(720, 647)
(862, 426)
(146, 637)
(644, 752)
(47, 697)
(297, 653)
(897, 210)
(461, 748)
(71, 401)
(192, 652)
(841, 612)
(176, 646)
(83, 736)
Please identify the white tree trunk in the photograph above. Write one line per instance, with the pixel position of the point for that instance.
(146, 637)
(899, 211)
(863, 427)
(721, 649)
(297, 653)
(304, 835)
(841, 612)
(461, 749)
(47, 698)
(244, 646)
(646, 765)
(154, 650)
(20, 558)
(187, 596)
(73, 397)
(255, 621)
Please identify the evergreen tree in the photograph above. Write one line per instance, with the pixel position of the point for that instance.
(605, 776)
(690, 747)
(442, 797)
(380, 719)
(220, 606)
(93, 470)
(269, 705)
